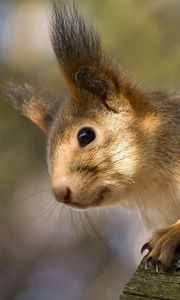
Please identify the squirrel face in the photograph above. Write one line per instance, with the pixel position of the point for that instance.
(91, 152)
(97, 137)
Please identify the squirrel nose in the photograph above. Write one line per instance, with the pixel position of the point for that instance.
(63, 194)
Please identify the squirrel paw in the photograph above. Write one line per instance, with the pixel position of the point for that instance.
(162, 247)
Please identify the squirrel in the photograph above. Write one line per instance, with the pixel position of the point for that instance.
(111, 142)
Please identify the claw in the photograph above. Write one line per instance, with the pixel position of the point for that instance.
(146, 265)
(157, 268)
(150, 261)
(147, 262)
(177, 265)
(159, 262)
(145, 247)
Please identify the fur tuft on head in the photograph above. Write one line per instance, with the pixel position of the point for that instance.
(78, 49)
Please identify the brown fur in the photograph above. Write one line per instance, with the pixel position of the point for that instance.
(37, 105)
(135, 158)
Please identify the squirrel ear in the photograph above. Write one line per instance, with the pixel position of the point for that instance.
(84, 65)
(97, 83)
(37, 106)
(89, 79)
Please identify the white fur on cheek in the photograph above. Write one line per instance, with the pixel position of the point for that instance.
(125, 158)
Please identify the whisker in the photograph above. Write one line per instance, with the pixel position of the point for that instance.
(30, 196)
(91, 157)
(61, 212)
(73, 222)
(83, 223)
(50, 213)
(99, 236)
(36, 230)
(111, 156)
(44, 210)
(94, 229)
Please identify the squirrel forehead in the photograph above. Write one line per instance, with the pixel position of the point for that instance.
(71, 114)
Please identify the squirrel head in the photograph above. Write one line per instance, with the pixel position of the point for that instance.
(96, 136)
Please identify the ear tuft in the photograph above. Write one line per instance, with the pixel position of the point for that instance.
(78, 49)
(37, 105)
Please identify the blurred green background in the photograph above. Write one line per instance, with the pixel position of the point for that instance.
(142, 35)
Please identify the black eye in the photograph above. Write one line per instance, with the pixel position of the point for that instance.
(85, 136)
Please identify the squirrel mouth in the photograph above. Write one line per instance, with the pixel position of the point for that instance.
(97, 201)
